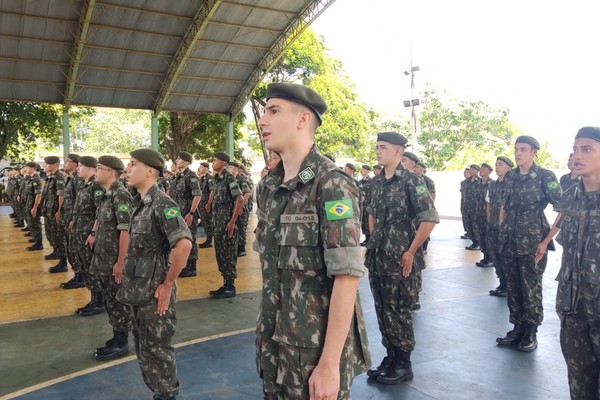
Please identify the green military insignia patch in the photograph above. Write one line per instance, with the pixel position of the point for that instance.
(339, 209)
(98, 193)
(172, 212)
(421, 189)
(553, 185)
(124, 207)
(147, 199)
(306, 175)
(533, 174)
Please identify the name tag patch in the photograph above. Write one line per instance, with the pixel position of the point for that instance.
(298, 218)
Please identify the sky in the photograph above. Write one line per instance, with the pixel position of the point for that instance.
(539, 59)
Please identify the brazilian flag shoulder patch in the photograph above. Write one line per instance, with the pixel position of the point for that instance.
(552, 185)
(123, 207)
(339, 209)
(172, 212)
(421, 189)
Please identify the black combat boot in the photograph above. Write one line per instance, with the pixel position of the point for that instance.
(60, 267)
(19, 223)
(387, 361)
(51, 256)
(206, 244)
(513, 337)
(26, 229)
(228, 290)
(500, 291)
(219, 290)
(36, 246)
(528, 342)
(417, 304)
(12, 215)
(95, 306)
(473, 246)
(76, 282)
(241, 252)
(31, 240)
(116, 347)
(189, 270)
(400, 371)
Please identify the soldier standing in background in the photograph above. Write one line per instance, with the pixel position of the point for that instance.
(22, 197)
(377, 169)
(81, 224)
(159, 245)
(226, 202)
(495, 194)
(242, 220)
(31, 199)
(109, 240)
(481, 213)
(206, 186)
(463, 199)
(186, 192)
(570, 179)
(364, 185)
(470, 208)
(51, 203)
(523, 227)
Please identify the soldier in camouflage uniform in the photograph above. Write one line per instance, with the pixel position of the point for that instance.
(73, 185)
(308, 239)
(206, 185)
(22, 197)
(493, 199)
(110, 238)
(401, 217)
(17, 187)
(246, 210)
(242, 220)
(364, 185)
(570, 179)
(481, 213)
(10, 190)
(159, 246)
(31, 197)
(80, 226)
(523, 226)
(463, 198)
(186, 192)
(51, 202)
(577, 301)
(226, 201)
(470, 208)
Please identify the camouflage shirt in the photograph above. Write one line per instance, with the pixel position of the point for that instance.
(364, 185)
(398, 206)
(155, 228)
(579, 276)
(163, 184)
(566, 182)
(184, 189)
(525, 198)
(480, 192)
(32, 186)
(55, 184)
(86, 204)
(113, 216)
(206, 186)
(226, 189)
(495, 194)
(470, 196)
(73, 184)
(308, 232)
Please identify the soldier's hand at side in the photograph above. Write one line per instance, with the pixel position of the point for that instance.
(407, 263)
(57, 216)
(207, 207)
(189, 219)
(118, 271)
(90, 241)
(70, 226)
(163, 297)
(230, 228)
(33, 212)
(541, 250)
(324, 383)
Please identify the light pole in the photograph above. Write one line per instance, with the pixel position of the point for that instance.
(412, 102)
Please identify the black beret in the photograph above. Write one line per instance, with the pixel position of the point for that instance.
(351, 166)
(488, 166)
(393, 138)
(506, 161)
(88, 161)
(298, 94)
(589, 132)
(234, 164)
(220, 155)
(411, 156)
(111, 162)
(185, 156)
(329, 156)
(474, 166)
(421, 164)
(205, 164)
(151, 158)
(528, 140)
(367, 167)
(377, 166)
(32, 164)
(73, 157)
(51, 160)
(466, 169)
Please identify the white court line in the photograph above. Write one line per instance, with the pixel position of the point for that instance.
(113, 363)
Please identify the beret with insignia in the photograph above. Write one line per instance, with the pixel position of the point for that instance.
(506, 161)
(32, 164)
(393, 138)
(220, 155)
(530, 140)
(411, 156)
(589, 132)
(73, 157)
(298, 94)
(111, 162)
(421, 164)
(151, 158)
(234, 164)
(366, 166)
(474, 166)
(185, 156)
(488, 166)
(51, 160)
(88, 161)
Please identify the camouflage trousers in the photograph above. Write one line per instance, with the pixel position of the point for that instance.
(54, 234)
(194, 252)
(226, 253)
(472, 225)
(524, 287)
(70, 248)
(119, 314)
(580, 344)
(394, 297)
(35, 226)
(364, 225)
(482, 225)
(206, 220)
(494, 255)
(153, 335)
(84, 257)
(418, 281)
(241, 226)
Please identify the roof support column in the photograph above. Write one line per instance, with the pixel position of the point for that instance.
(229, 138)
(154, 132)
(66, 137)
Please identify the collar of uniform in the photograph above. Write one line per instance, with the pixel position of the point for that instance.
(307, 171)
(150, 195)
(112, 188)
(534, 171)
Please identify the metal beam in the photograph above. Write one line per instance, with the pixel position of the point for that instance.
(78, 45)
(194, 32)
(154, 132)
(229, 138)
(295, 28)
(66, 134)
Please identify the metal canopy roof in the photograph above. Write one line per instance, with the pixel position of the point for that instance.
(174, 55)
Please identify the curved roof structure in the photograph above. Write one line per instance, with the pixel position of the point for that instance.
(174, 55)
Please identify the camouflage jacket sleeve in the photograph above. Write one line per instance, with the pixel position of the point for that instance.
(234, 187)
(123, 206)
(245, 186)
(420, 199)
(339, 224)
(551, 188)
(170, 221)
(60, 184)
(194, 184)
